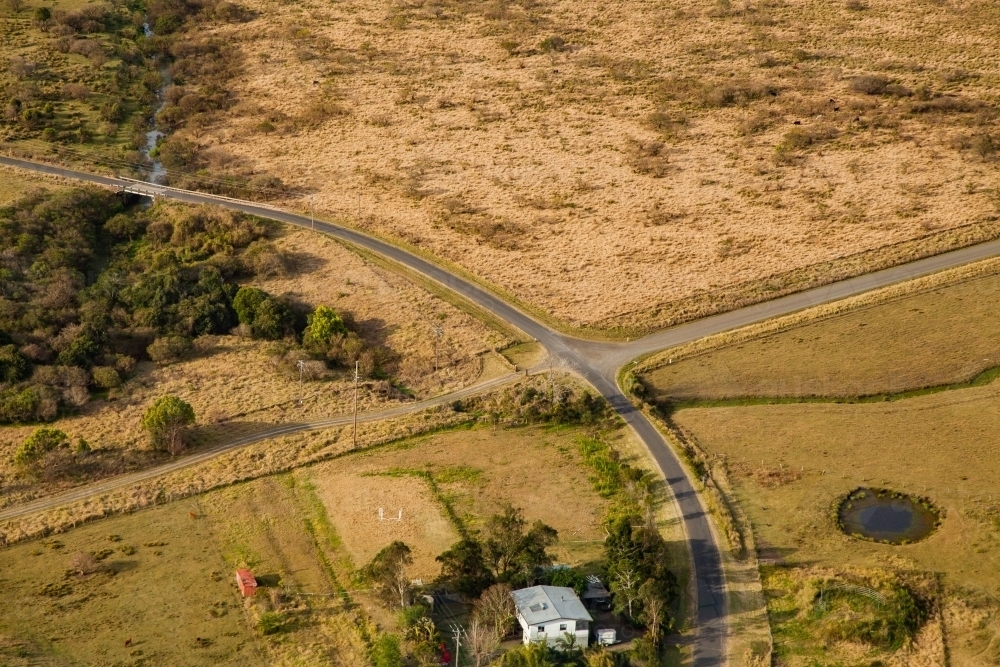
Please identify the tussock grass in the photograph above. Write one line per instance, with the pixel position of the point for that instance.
(520, 100)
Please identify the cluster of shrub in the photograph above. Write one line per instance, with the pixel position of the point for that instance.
(126, 89)
(555, 404)
(89, 287)
(202, 68)
(49, 454)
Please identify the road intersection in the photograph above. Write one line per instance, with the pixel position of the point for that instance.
(596, 362)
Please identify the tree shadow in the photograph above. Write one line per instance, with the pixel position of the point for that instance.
(268, 580)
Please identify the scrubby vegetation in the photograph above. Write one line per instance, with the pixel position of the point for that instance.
(88, 80)
(89, 287)
(80, 76)
(873, 611)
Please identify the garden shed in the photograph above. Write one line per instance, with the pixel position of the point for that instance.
(246, 582)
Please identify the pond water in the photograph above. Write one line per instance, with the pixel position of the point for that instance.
(885, 516)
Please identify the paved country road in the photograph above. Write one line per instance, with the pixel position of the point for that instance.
(598, 363)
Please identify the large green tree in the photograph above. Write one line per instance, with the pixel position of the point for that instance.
(514, 551)
(464, 568)
(387, 573)
(166, 421)
(324, 326)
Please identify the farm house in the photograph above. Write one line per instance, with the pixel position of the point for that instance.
(549, 613)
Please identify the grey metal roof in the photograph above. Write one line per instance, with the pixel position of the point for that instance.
(541, 604)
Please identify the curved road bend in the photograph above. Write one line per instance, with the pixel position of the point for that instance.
(598, 363)
(122, 481)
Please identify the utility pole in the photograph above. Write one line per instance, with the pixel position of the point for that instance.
(438, 332)
(312, 212)
(356, 378)
(458, 643)
(359, 206)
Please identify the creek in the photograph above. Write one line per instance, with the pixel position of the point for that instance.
(157, 172)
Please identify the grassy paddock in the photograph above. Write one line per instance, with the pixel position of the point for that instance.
(893, 389)
(790, 464)
(163, 584)
(938, 337)
(303, 538)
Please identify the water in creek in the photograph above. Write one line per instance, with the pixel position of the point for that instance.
(157, 171)
(885, 516)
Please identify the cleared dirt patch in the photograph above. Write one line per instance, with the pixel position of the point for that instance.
(409, 514)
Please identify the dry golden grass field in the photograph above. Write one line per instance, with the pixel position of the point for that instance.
(238, 385)
(168, 577)
(789, 462)
(940, 336)
(628, 165)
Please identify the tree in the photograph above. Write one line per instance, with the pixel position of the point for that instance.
(166, 420)
(38, 444)
(46, 454)
(14, 366)
(387, 573)
(515, 555)
(324, 325)
(654, 609)
(568, 577)
(268, 318)
(496, 608)
(600, 658)
(168, 349)
(482, 641)
(274, 320)
(246, 302)
(533, 655)
(122, 226)
(624, 584)
(15, 6)
(464, 568)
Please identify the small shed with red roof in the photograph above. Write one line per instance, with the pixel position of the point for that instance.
(246, 582)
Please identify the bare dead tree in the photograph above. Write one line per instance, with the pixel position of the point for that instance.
(496, 608)
(483, 641)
